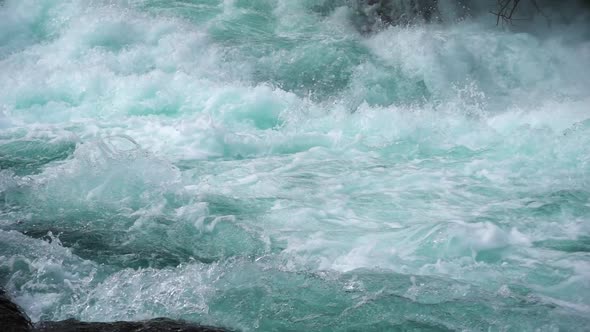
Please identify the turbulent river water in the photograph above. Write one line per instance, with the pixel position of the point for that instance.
(267, 165)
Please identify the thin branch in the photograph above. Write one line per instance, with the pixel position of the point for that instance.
(507, 9)
(538, 8)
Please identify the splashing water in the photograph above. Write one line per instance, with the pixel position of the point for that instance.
(263, 165)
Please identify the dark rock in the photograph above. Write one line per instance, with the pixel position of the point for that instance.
(153, 325)
(12, 318)
(369, 15)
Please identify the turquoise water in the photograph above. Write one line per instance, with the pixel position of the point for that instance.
(263, 165)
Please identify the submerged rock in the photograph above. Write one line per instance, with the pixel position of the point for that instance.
(13, 319)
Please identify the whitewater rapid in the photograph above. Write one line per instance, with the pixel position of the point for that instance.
(263, 165)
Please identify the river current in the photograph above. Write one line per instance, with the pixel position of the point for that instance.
(268, 165)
